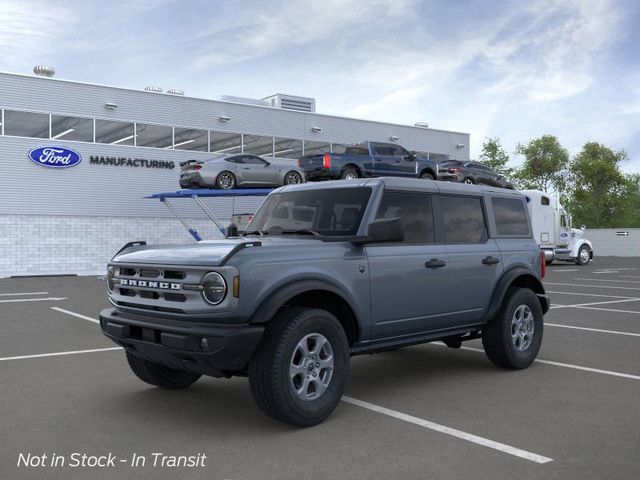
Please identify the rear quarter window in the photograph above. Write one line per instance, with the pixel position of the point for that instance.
(510, 216)
(463, 219)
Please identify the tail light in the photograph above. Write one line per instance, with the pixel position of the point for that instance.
(326, 161)
(196, 167)
(543, 264)
(453, 170)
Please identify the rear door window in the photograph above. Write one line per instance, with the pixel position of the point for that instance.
(463, 219)
(511, 216)
(414, 209)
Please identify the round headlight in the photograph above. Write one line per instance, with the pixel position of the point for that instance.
(214, 288)
(111, 273)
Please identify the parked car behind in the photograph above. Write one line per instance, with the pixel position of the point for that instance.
(472, 173)
(368, 159)
(240, 170)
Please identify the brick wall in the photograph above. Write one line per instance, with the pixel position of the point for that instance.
(46, 245)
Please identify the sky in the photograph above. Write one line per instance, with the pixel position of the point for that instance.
(509, 69)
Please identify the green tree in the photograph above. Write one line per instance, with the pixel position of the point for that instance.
(600, 195)
(545, 164)
(495, 157)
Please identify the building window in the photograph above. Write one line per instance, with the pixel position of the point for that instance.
(71, 128)
(257, 145)
(26, 124)
(157, 136)
(115, 133)
(287, 148)
(316, 148)
(190, 139)
(338, 148)
(225, 143)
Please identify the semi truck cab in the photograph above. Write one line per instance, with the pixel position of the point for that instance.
(553, 231)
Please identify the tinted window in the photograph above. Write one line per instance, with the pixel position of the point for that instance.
(190, 139)
(157, 136)
(72, 128)
(250, 159)
(463, 219)
(545, 200)
(226, 143)
(26, 124)
(357, 151)
(115, 133)
(510, 215)
(336, 211)
(238, 159)
(287, 148)
(414, 209)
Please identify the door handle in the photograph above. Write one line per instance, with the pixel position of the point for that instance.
(490, 260)
(435, 263)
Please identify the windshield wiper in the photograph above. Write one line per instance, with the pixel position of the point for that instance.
(301, 231)
(255, 232)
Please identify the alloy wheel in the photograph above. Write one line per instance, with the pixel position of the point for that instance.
(522, 327)
(311, 367)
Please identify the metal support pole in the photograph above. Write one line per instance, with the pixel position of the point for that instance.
(209, 214)
(194, 233)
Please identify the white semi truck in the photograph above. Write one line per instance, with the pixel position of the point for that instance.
(553, 231)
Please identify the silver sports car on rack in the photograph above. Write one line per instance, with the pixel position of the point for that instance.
(240, 170)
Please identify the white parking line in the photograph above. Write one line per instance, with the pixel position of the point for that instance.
(58, 354)
(598, 330)
(591, 286)
(73, 314)
(596, 303)
(610, 310)
(607, 280)
(568, 270)
(629, 276)
(23, 293)
(485, 442)
(606, 271)
(587, 294)
(565, 365)
(48, 299)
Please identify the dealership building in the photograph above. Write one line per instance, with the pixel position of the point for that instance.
(128, 144)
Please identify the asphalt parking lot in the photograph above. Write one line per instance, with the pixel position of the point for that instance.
(425, 412)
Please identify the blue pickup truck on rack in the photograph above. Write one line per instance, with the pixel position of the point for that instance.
(368, 159)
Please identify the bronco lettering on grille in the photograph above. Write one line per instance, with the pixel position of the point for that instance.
(147, 284)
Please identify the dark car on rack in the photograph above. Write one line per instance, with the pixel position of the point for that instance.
(471, 173)
(368, 159)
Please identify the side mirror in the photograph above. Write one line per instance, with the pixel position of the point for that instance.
(383, 230)
(410, 156)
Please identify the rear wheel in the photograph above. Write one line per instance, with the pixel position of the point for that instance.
(225, 180)
(512, 339)
(584, 255)
(300, 368)
(427, 176)
(468, 181)
(292, 177)
(350, 173)
(159, 375)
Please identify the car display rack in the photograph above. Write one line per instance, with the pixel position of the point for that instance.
(196, 195)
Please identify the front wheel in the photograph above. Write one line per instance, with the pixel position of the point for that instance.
(468, 181)
(225, 180)
(299, 371)
(512, 339)
(292, 178)
(584, 255)
(159, 375)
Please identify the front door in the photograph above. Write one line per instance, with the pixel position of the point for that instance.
(408, 279)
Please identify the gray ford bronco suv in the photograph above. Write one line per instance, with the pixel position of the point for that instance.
(326, 271)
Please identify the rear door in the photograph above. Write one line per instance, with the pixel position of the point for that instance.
(474, 261)
(409, 293)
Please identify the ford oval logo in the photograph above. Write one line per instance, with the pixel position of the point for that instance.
(55, 157)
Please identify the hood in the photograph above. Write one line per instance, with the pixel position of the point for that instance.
(577, 233)
(209, 253)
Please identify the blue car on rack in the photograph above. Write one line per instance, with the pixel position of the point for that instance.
(368, 159)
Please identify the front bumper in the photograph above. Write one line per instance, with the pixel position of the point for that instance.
(209, 349)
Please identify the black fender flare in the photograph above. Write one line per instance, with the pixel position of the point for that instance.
(430, 170)
(275, 300)
(507, 279)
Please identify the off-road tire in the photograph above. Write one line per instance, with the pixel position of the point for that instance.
(579, 260)
(427, 176)
(496, 335)
(159, 375)
(269, 374)
(349, 173)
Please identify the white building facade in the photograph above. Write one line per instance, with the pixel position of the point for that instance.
(129, 144)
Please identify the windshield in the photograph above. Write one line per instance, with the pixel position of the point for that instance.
(325, 212)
